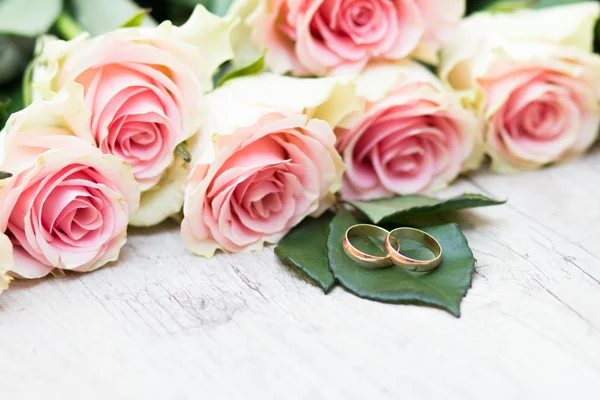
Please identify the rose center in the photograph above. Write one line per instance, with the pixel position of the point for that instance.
(541, 120)
(360, 14)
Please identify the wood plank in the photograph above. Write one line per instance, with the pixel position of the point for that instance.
(165, 324)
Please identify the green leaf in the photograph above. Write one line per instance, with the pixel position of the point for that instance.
(398, 209)
(28, 17)
(4, 105)
(137, 20)
(552, 3)
(510, 6)
(15, 52)
(67, 27)
(10, 101)
(252, 69)
(220, 7)
(443, 288)
(4, 175)
(182, 152)
(305, 248)
(98, 17)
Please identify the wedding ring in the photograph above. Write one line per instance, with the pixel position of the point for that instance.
(363, 259)
(407, 263)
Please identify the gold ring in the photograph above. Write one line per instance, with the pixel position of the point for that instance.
(410, 264)
(364, 259)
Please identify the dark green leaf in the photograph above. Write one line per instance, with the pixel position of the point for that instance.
(305, 248)
(443, 288)
(15, 52)
(398, 209)
(4, 105)
(10, 101)
(28, 17)
(137, 19)
(4, 175)
(252, 69)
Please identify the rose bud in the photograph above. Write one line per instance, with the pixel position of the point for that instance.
(326, 37)
(274, 161)
(144, 88)
(412, 135)
(66, 205)
(533, 80)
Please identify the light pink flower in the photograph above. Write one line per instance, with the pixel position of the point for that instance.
(273, 163)
(67, 205)
(144, 88)
(412, 136)
(534, 81)
(264, 179)
(322, 37)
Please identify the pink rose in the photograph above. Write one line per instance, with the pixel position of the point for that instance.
(67, 205)
(538, 113)
(323, 37)
(273, 163)
(534, 81)
(144, 88)
(412, 136)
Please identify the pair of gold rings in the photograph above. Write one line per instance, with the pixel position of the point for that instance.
(392, 248)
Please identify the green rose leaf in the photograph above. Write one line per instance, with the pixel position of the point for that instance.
(551, 3)
(11, 101)
(218, 7)
(252, 69)
(305, 248)
(510, 6)
(28, 17)
(397, 209)
(137, 20)
(98, 17)
(443, 288)
(4, 175)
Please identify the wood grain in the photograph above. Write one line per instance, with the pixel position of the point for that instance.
(163, 324)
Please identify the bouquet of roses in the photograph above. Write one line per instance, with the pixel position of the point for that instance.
(281, 122)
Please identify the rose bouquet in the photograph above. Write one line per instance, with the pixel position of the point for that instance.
(283, 122)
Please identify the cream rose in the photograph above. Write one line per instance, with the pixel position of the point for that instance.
(144, 88)
(67, 205)
(412, 135)
(273, 164)
(6, 261)
(325, 37)
(534, 81)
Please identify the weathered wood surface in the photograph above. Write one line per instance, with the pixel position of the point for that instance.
(163, 324)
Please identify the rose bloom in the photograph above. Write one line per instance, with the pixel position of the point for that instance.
(274, 161)
(412, 135)
(67, 205)
(144, 87)
(6, 261)
(324, 37)
(533, 80)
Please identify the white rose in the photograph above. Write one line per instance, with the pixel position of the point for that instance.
(6, 261)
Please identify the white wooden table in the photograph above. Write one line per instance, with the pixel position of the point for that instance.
(163, 324)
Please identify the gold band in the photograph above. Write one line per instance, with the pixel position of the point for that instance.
(407, 263)
(364, 259)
